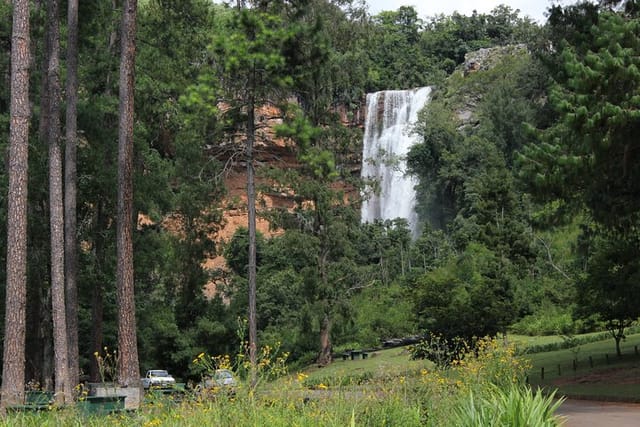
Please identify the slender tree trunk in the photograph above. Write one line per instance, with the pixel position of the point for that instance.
(113, 37)
(45, 313)
(56, 204)
(13, 363)
(325, 341)
(128, 369)
(70, 195)
(617, 331)
(324, 357)
(45, 330)
(44, 117)
(251, 206)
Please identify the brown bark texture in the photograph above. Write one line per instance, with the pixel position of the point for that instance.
(70, 193)
(128, 369)
(251, 202)
(51, 74)
(16, 289)
(324, 358)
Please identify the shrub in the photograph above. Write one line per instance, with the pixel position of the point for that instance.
(491, 362)
(438, 349)
(546, 322)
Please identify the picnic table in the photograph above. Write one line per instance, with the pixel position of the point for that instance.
(34, 400)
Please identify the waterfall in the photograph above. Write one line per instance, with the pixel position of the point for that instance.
(387, 139)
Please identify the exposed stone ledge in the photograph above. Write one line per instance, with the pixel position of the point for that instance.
(486, 58)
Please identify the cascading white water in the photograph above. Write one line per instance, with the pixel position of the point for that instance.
(387, 139)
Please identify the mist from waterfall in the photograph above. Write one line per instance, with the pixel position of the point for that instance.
(387, 138)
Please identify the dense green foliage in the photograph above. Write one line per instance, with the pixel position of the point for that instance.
(467, 297)
(582, 165)
(527, 169)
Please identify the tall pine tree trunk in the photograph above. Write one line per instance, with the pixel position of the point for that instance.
(16, 289)
(70, 194)
(128, 365)
(251, 206)
(56, 204)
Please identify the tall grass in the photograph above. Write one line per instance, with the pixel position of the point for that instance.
(490, 376)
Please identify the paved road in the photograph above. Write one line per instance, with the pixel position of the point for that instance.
(586, 413)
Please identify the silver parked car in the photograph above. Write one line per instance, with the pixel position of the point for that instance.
(220, 378)
(220, 383)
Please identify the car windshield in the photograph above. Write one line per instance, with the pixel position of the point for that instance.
(159, 373)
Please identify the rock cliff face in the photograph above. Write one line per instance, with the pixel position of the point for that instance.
(487, 58)
(269, 151)
(481, 60)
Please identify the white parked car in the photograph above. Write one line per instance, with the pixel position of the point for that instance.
(158, 378)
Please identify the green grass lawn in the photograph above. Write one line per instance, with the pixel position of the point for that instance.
(599, 351)
(609, 378)
(381, 364)
(598, 372)
(528, 341)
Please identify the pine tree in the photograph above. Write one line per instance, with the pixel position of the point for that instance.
(16, 293)
(128, 365)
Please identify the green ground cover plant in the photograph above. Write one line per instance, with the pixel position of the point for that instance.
(516, 406)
